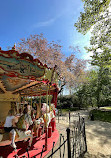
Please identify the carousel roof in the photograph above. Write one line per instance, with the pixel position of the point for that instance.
(21, 73)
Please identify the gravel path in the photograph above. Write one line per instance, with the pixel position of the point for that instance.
(98, 135)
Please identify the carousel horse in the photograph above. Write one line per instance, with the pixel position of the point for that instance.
(5, 137)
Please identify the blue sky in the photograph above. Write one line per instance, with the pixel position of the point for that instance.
(54, 18)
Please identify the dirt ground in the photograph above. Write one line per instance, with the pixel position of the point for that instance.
(98, 135)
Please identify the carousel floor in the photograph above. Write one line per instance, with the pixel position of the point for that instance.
(34, 151)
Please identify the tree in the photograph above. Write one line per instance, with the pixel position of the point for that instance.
(97, 89)
(70, 69)
(97, 17)
(76, 67)
(93, 10)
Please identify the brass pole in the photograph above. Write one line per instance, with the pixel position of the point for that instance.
(49, 100)
(31, 101)
(40, 103)
(17, 104)
(20, 105)
(46, 119)
(23, 101)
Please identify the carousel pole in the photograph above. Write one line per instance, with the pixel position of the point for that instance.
(17, 104)
(20, 106)
(31, 101)
(27, 99)
(46, 120)
(23, 102)
(40, 103)
(36, 106)
(49, 99)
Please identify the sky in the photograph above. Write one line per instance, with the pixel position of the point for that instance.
(54, 18)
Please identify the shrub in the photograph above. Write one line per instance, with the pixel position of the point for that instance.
(101, 115)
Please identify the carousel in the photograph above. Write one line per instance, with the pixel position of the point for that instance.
(22, 80)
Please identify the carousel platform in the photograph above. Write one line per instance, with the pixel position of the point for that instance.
(34, 151)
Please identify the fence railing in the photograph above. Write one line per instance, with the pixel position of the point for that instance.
(68, 117)
(76, 139)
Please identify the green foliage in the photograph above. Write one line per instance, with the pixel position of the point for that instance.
(97, 89)
(67, 102)
(96, 13)
(95, 92)
(100, 42)
(101, 115)
(91, 15)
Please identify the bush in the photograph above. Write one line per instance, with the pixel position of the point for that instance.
(68, 101)
(101, 115)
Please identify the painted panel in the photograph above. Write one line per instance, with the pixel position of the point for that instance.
(20, 68)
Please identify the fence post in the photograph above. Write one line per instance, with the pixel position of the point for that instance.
(42, 151)
(79, 122)
(68, 143)
(69, 117)
(79, 117)
(60, 144)
(84, 136)
(27, 150)
(52, 148)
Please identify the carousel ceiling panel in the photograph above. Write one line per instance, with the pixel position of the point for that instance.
(28, 86)
(21, 65)
(13, 83)
(35, 88)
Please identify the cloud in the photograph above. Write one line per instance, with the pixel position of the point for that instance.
(45, 23)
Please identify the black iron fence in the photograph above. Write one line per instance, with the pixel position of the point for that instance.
(75, 140)
(67, 117)
(78, 142)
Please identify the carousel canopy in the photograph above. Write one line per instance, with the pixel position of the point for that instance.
(21, 73)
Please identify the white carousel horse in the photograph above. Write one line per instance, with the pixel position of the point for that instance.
(5, 137)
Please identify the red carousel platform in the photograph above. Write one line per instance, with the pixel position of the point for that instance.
(35, 150)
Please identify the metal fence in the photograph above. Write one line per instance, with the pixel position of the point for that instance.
(75, 139)
(78, 139)
(68, 117)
